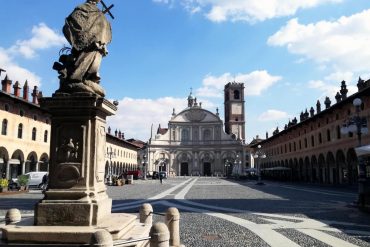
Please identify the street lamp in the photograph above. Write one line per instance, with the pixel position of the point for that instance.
(237, 165)
(144, 165)
(110, 154)
(358, 125)
(259, 154)
(227, 165)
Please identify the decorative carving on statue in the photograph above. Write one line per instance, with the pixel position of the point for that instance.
(68, 151)
(88, 31)
(68, 175)
(195, 115)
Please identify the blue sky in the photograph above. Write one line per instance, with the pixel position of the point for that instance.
(288, 53)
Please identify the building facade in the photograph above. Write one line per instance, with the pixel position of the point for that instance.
(121, 155)
(314, 149)
(195, 144)
(25, 131)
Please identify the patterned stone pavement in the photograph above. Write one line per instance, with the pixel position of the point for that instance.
(218, 212)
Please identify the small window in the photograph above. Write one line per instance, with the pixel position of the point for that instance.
(20, 131)
(320, 138)
(6, 107)
(4, 127)
(34, 134)
(21, 113)
(236, 94)
(35, 117)
(328, 137)
(338, 133)
(47, 121)
(312, 141)
(46, 136)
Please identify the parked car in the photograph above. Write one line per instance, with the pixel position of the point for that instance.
(34, 179)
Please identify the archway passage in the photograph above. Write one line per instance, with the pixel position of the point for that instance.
(184, 169)
(207, 169)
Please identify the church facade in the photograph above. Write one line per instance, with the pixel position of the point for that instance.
(195, 142)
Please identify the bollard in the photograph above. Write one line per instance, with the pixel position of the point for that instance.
(159, 235)
(146, 214)
(12, 216)
(173, 223)
(101, 238)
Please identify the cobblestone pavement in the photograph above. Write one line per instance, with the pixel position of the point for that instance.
(218, 212)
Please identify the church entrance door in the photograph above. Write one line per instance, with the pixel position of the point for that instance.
(184, 169)
(207, 169)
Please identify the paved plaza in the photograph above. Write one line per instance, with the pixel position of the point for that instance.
(219, 212)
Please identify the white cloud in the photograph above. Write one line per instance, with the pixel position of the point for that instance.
(247, 10)
(342, 45)
(272, 115)
(16, 72)
(42, 38)
(255, 83)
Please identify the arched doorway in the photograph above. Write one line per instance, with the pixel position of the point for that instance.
(322, 168)
(31, 163)
(352, 166)
(332, 176)
(342, 167)
(16, 164)
(4, 157)
(44, 163)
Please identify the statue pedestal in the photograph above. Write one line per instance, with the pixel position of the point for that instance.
(76, 206)
(77, 193)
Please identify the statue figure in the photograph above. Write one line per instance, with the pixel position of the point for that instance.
(88, 31)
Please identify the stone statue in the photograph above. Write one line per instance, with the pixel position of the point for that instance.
(88, 31)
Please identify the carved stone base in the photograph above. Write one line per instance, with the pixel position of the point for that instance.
(118, 225)
(71, 212)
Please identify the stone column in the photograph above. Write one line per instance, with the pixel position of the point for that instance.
(8, 169)
(77, 193)
(23, 164)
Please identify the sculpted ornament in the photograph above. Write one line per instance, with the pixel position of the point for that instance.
(88, 32)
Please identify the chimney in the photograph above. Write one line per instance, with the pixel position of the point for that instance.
(6, 85)
(267, 135)
(119, 134)
(109, 129)
(343, 90)
(25, 91)
(17, 89)
(318, 106)
(115, 133)
(123, 136)
(312, 112)
(327, 102)
(35, 93)
(338, 97)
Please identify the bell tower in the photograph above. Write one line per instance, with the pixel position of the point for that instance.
(234, 109)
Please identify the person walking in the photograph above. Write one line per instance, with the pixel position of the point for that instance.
(161, 177)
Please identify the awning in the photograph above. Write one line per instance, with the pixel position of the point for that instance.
(363, 150)
(14, 162)
(278, 168)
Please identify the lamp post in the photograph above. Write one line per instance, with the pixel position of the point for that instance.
(144, 165)
(227, 165)
(110, 154)
(358, 125)
(237, 164)
(259, 154)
